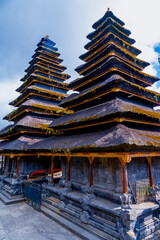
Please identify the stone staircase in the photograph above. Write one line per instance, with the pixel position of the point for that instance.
(97, 228)
(149, 226)
(10, 192)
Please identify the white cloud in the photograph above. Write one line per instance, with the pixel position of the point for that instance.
(7, 94)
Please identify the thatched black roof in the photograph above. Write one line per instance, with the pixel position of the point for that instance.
(118, 66)
(43, 80)
(28, 123)
(40, 68)
(33, 106)
(45, 56)
(55, 66)
(113, 30)
(6, 129)
(106, 53)
(118, 138)
(104, 42)
(110, 139)
(32, 90)
(20, 144)
(108, 14)
(107, 109)
(35, 122)
(49, 51)
(110, 84)
(108, 21)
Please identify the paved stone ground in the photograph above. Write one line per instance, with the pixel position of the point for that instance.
(21, 222)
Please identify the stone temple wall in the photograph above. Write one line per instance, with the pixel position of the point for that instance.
(30, 164)
(138, 169)
(156, 170)
(27, 165)
(107, 175)
(6, 165)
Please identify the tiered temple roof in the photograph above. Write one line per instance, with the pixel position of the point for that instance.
(42, 90)
(113, 107)
(113, 111)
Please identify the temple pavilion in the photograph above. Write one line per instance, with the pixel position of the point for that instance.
(42, 90)
(109, 145)
(114, 121)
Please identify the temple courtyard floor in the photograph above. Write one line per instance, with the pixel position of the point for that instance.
(21, 222)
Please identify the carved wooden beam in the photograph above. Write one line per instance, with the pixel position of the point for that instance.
(90, 154)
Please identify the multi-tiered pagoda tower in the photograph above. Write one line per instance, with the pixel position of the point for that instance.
(37, 106)
(111, 141)
(42, 90)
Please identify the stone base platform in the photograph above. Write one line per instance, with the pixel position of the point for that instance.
(11, 190)
(100, 217)
(7, 201)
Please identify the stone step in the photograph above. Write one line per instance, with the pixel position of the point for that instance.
(1, 185)
(6, 194)
(54, 200)
(7, 201)
(72, 217)
(105, 221)
(153, 236)
(74, 227)
(50, 206)
(108, 227)
(6, 186)
(149, 227)
(51, 202)
(53, 207)
(74, 208)
(147, 222)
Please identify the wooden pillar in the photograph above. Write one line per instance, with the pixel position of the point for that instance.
(91, 172)
(124, 178)
(123, 161)
(2, 162)
(68, 167)
(149, 159)
(18, 165)
(52, 168)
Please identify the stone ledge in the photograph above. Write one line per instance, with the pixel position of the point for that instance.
(74, 228)
(7, 201)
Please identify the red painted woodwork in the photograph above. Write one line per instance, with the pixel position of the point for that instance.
(124, 178)
(150, 172)
(91, 175)
(18, 164)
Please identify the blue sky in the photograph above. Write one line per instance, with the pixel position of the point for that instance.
(67, 22)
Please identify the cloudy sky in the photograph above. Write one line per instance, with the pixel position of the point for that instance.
(67, 22)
